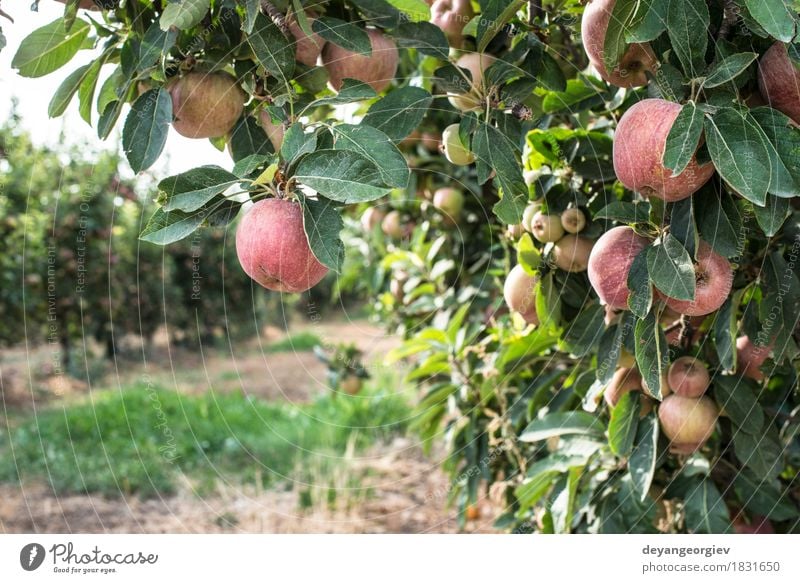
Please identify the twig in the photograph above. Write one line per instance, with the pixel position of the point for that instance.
(730, 17)
(534, 10)
(275, 15)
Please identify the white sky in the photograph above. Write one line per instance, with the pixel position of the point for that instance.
(34, 96)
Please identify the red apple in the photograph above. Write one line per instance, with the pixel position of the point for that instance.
(392, 225)
(377, 70)
(273, 249)
(573, 220)
(637, 60)
(519, 292)
(571, 253)
(687, 422)
(205, 105)
(307, 48)
(688, 377)
(371, 218)
(452, 16)
(639, 145)
(476, 64)
(624, 381)
(274, 131)
(449, 201)
(610, 262)
(713, 282)
(750, 357)
(546, 228)
(779, 81)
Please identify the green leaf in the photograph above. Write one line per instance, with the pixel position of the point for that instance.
(625, 212)
(614, 44)
(624, 422)
(640, 299)
(87, 89)
(562, 508)
(728, 69)
(494, 15)
(145, 131)
(548, 303)
(166, 227)
(652, 353)
(585, 331)
(347, 35)
(736, 396)
(532, 489)
(247, 139)
(687, 26)
(416, 10)
(683, 138)
(578, 95)
(761, 452)
(108, 118)
(563, 423)
(772, 216)
(66, 91)
(642, 461)
(528, 255)
(191, 190)
(783, 140)
(273, 51)
(650, 22)
(296, 143)
(183, 14)
(682, 224)
(49, 48)
(376, 147)
(399, 112)
(777, 18)
(725, 325)
(763, 496)
(706, 512)
(323, 223)
(155, 42)
(494, 151)
(425, 37)
(342, 175)
(351, 91)
(671, 269)
(252, 8)
(739, 154)
(719, 221)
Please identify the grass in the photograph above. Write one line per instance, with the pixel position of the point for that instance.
(144, 439)
(301, 342)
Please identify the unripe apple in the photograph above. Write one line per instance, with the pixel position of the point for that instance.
(713, 282)
(624, 381)
(610, 262)
(546, 228)
(634, 64)
(750, 357)
(449, 201)
(476, 64)
(454, 149)
(688, 377)
(274, 131)
(528, 214)
(639, 146)
(307, 48)
(452, 16)
(273, 249)
(377, 70)
(687, 422)
(371, 218)
(514, 232)
(350, 384)
(205, 105)
(392, 225)
(519, 291)
(573, 220)
(571, 253)
(779, 81)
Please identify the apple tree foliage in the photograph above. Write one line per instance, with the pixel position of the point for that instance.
(519, 406)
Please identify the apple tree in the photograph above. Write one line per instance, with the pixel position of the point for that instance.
(582, 216)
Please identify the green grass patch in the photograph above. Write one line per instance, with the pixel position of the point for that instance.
(142, 439)
(300, 342)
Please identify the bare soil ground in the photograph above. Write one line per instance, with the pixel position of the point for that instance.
(393, 488)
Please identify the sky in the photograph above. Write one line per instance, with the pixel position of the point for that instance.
(34, 95)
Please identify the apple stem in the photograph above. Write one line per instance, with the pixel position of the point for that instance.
(275, 15)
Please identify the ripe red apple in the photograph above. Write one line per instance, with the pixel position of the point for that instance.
(274, 131)
(610, 262)
(377, 70)
(779, 81)
(476, 64)
(573, 220)
(571, 253)
(546, 228)
(393, 227)
(452, 16)
(205, 105)
(688, 377)
(639, 145)
(449, 201)
(307, 48)
(273, 250)
(624, 381)
(519, 292)
(713, 282)
(371, 218)
(687, 422)
(634, 64)
(454, 149)
(750, 357)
